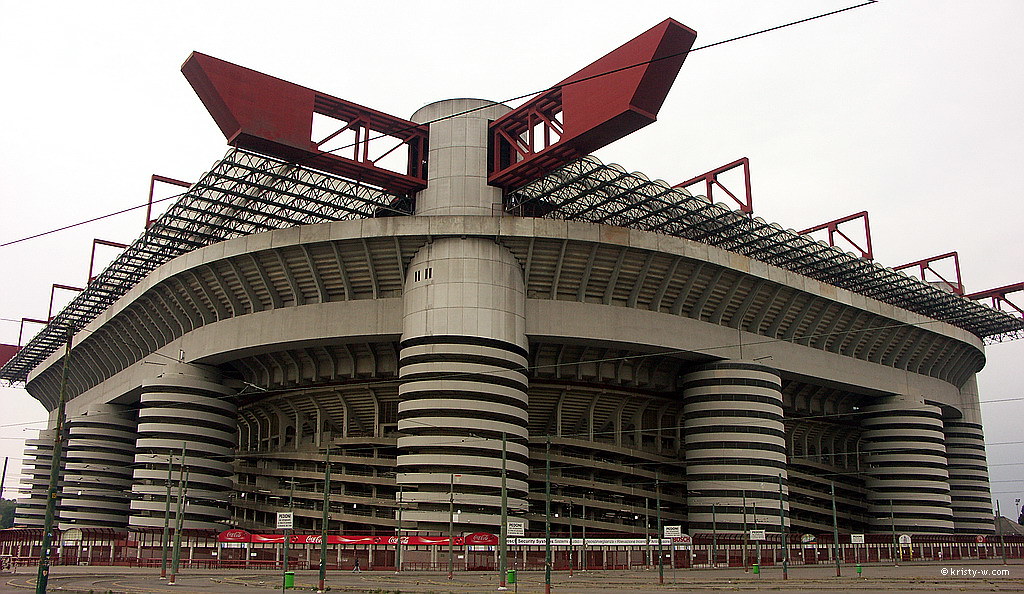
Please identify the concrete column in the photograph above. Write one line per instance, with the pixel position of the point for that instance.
(31, 510)
(735, 442)
(184, 404)
(907, 480)
(98, 468)
(457, 174)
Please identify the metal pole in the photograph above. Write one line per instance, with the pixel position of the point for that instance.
(785, 539)
(835, 530)
(714, 536)
(326, 518)
(1002, 534)
(570, 538)
(547, 515)
(757, 543)
(661, 556)
(647, 534)
(451, 527)
(895, 544)
(398, 545)
(503, 531)
(3, 478)
(745, 533)
(43, 573)
(165, 538)
(179, 521)
(583, 518)
(288, 535)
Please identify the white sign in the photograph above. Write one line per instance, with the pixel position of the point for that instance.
(758, 535)
(285, 520)
(515, 528)
(671, 531)
(856, 539)
(905, 539)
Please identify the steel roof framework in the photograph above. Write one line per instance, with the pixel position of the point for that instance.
(588, 190)
(243, 194)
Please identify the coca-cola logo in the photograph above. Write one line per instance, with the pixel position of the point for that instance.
(234, 535)
(481, 538)
(314, 539)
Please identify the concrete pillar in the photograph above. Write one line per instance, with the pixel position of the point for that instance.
(98, 468)
(906, 477)
(735, 442)
(184, 404)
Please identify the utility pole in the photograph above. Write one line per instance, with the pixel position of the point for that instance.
(288, 536)
(547, 515)
(895, 543)
(714, 535)
(661, 556)
(398, 545)
(43, 574)
(503, 531)
(179, 521)
(785, 537)
(3, 478)
(835, 530)
(325, 518)
(1002, 534)
(583, 518)
(745, 532)
(164, 539)
(569, 502)
(757, 543)
(451, 528)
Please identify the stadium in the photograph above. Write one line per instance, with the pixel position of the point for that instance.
(500, 308)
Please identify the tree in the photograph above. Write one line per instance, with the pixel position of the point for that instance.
(6, 513)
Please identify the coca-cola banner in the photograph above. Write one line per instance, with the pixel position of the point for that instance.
(478, 538)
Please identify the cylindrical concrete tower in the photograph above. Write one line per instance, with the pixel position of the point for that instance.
(186, 404)
(464, 348)
(98, 469)
(907, 481)
(735, 444)
(31, 510)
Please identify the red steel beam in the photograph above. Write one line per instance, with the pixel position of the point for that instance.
(609, 99)
(22, 328)
(53, 290)
(925, 265)
(710, 180)
(998, 296)
(149, 204)
(833, 230)
(268, 115)
(92, 257)
(7, 352)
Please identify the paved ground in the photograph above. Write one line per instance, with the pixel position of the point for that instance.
(916, 577)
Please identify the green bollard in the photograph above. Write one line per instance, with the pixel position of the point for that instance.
(859, 569)
(510, 577)
(757, 569)
(289, 579)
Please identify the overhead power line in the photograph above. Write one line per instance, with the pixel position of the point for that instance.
(474, 109)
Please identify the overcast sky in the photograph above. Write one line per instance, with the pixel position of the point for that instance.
(908, 109)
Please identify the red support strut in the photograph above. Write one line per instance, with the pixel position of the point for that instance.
(149, 205)
(833, 230)
(998, 296)
(711, 180)
(925, 265)
(95, 242)
(53, 289)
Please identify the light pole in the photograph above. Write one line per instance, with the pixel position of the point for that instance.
(895, 543)
(583, 518)
(451, 528)
(325, 518)
(288, 535)
(1002, 537)
(782, 527)
(164, 541)
(398, 545)
(547, 515)
(179, 521)
(835, 529)
(714, 535)
(661, 557)
(503, 531)
(745, 531)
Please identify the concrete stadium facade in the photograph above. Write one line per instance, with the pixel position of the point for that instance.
(643, 367)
